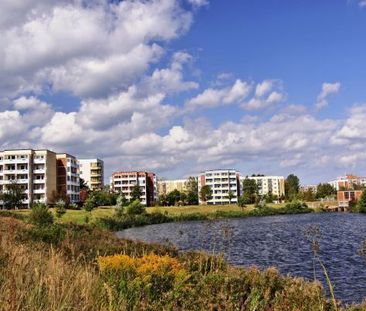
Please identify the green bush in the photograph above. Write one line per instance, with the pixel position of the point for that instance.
(90, 203)
(135, 208)
(60, 208)
(40, 215)
(52, 234)
(296, 205)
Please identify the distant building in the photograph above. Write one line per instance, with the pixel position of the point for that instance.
(220, 181)
(268, 184)
(345, 197)
(305, 188)
(348, 182)
(92, 172)
(68, 181)
(33, 170)
(125, 182)
(166, 186)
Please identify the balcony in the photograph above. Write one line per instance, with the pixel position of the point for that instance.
(39, 171)
(39, 181)
(39, 160)
(39, 191)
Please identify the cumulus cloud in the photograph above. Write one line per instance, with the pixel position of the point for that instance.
(88, 50)
(327, 89)
(212, 97)
(267, 93)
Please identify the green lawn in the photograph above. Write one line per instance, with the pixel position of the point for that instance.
(79, 216)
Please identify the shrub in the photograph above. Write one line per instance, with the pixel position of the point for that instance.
(121, 203)
(135, 208)
(40, 215)
(296, 205)
(52, 234)
(60, 207)
(90, 203)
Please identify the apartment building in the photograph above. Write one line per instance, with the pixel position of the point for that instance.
(68, 181)
(125, 182)
(267, 184)
(345, 197)
(33, 170)
(92, 171)
(220, 181)
(348, 182)
(167, 186)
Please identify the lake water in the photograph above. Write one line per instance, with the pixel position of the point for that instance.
(279, 241)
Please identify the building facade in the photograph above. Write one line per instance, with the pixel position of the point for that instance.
(92, 171)
(124, 182)
(348, 182)
(220, 181)
(268, 184)
(167, 186)
(34, 171)
(345, 197)
(68, 181)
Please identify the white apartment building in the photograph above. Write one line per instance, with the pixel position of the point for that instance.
(92, 171)
(124, 182)
(220, 181)
(33, 170)
(68, 181)
(348, 182)
(167, 186)
(267, 184)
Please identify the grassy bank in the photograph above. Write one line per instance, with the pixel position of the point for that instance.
(169, 214)
(90, 269)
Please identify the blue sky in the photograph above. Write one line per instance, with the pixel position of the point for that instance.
(179, 86)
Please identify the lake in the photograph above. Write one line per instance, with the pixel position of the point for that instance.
(279, 241)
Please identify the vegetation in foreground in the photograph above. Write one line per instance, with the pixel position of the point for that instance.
(86, 268)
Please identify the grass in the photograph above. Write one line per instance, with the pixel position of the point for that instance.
(79, 216)
(91, 269)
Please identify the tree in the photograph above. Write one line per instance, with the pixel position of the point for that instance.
(163, 200)
(13, 197)
(136, 192)
(40, 215)
(192, 191)
(173, 197)
(135, 208)
(292, 186)
(250, 190)
(307, 195)
(60, 207)
(90, 203)
(205, 193)
(230, 196)
(241, 202)
(121, 203)
(324, 191)
(361, 204)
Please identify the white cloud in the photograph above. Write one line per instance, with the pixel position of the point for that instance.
(225, 96)
(327, 89)
(198, 3)
(88, 50)
(362, 3)
(267, 93)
